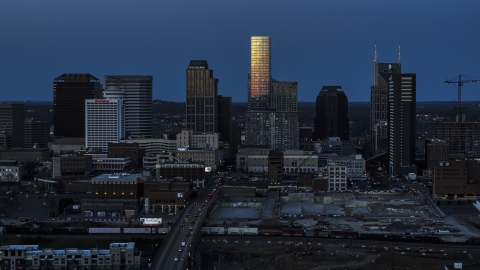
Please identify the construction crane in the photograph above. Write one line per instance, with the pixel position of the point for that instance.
(459, 110)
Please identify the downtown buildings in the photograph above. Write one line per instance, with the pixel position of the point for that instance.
(272, 116)
(332, 114)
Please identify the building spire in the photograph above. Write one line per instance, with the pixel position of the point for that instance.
(399, 58)
(375, 66)
(375, 57)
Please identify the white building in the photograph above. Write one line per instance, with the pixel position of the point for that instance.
(104, 122)
(355, 164)
(337, 176)
(204, 140)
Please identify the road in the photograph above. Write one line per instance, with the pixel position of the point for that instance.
(171, 254)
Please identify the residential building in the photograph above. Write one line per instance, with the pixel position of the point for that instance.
(69, 94)
(104, 122)
(331, 118)
(36, 133)
(201, 111)
(11, 122)
(462, 137)
(137, 92)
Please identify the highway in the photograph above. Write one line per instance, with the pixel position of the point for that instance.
(171, 254)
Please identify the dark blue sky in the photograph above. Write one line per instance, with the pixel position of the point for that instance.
(314, 42)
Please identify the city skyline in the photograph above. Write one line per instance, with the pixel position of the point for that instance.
(315, 43)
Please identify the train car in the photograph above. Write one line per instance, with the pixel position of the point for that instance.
(105, 230)
(138, 230)
(343, 234)
(292, 232)
(269, 232)
(453, 239)
(242, 231)
(321, 233)
(309, 233)
(212, 230)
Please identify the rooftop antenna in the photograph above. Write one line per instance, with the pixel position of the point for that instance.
(375, 67)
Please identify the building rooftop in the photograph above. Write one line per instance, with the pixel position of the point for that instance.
(117, 175)
(198, 64)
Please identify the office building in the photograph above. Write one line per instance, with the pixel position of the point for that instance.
(435, 152)
(72, 167)
(130, 150)
(456, 180)
(36, 134)
(331, 118)
(379, 104)
(137, 92)
(69, 94)
(201, 98)
(190, 139)
(275, 166)
(401, 124)
(104, 122)
(11, 123)
(337, 176)
(224, 118)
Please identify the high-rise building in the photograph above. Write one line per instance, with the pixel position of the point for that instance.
(462, 137)
(271, 120)
(224, 117)
(137, 92)
(259, 79)
(201, 97)
(284, 116)
(257, 118)
(402, 120)
(379, 104)
(36, 134)
(69, 93)
(11, 123)
(104, 122)
(331, 118)
(435, 152)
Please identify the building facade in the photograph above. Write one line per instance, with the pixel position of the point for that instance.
(337, 177)
(72, 167)
(435, 152)
(462, 137)
(187, 170)
(10, 171)
(402, 121)
(130, 150)
(117, 256)
(201, 111)
(104, 122)
(69, 94)
(224, 118)
(137, 92)
(36, 134)
(12, 121)
(331, 118)
(379, 109)
(456, 180)
(210, 157)
(154, 146)
(189, 138)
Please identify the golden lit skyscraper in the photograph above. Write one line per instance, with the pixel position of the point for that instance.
(259, 78)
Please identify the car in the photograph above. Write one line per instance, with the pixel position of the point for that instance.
(195, 203)
(183, 224)
(176, 259)
(203, 204)
(188, 234)
(196, 215)
(191, 228)
(193, 221)
(188, 215)
(180, 250)
(170, 214)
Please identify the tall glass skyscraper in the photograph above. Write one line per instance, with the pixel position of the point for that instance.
(137, 91)
(259, 81)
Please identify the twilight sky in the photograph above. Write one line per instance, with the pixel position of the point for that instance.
(314, 42)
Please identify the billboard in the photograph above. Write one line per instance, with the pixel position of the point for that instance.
(151, 221)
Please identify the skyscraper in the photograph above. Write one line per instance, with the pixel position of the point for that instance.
(104, 122)
(69, 93)
(402, 120)
(272, 116)
(379, 104)
(137, 91)
(331, 118)
(284, 116)
(11, 123)
(201, 98)
(259, 79)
